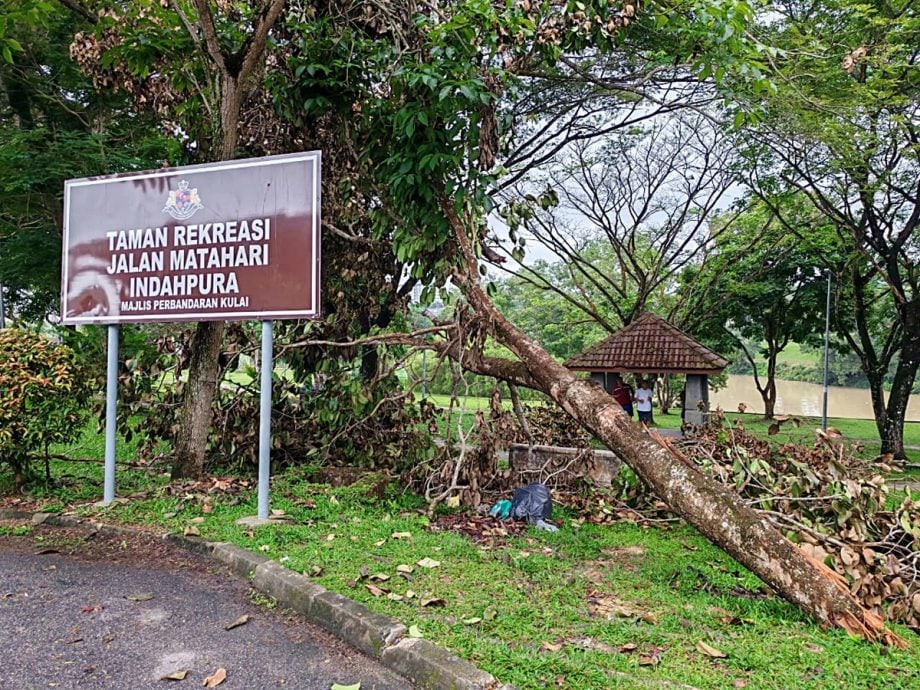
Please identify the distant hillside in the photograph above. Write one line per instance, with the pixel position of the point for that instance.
(804, 363)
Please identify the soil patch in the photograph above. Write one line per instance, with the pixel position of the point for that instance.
(482, 530)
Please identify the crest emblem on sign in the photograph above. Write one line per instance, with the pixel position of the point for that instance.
(183, 202)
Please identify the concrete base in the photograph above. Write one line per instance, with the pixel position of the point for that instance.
(599, 467)
(255, 521)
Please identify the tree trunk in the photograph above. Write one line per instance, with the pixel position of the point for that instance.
(877, 396)
(768, 391)
(235, 71)
(892, 428)
(712, 508)
(892, 431)
(768, 395)
(192, 439)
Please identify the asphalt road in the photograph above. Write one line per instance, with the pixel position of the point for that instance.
(104, 613)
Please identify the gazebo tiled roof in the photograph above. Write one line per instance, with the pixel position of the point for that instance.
(649, 345)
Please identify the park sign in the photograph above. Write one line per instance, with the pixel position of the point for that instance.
(234, 240)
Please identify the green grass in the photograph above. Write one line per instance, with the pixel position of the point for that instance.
(533, 595)
(793, 355)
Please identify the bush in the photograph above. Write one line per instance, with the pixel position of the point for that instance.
(44, 397)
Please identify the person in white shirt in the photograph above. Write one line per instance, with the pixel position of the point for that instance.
(644, 403)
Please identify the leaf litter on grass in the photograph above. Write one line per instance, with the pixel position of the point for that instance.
(645, 577)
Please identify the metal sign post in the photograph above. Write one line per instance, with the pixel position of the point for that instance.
(265, 420)
(111, 422)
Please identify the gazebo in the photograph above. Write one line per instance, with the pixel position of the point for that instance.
(650, 346)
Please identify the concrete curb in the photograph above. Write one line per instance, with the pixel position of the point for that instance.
(383, 638)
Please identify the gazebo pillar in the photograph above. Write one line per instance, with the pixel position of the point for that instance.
(696, 392)
(601, 378)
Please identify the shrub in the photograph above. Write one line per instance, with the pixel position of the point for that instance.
(44, 397)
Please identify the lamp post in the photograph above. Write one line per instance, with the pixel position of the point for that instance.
(827, 334)
(2, 309)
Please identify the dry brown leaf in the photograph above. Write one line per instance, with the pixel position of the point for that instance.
(428, 563)
(432, 601)
(375, 590)
(551, 646)
(724, 616)
(242, 620)
(220, 675)
(848, 556)
(709, 650)
(175, 675)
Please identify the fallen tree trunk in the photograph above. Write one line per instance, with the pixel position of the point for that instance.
(712, 508)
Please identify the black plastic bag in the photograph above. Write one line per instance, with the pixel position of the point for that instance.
(531, 503)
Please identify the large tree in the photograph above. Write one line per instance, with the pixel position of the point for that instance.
(211, 75)
(196, 64)
(626, 212)
(841, 127)
(766, 287)
(436, 121)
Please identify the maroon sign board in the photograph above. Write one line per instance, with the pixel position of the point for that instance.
(234, 240)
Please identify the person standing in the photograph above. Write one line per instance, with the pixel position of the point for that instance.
(623, 393)
(643, 400)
